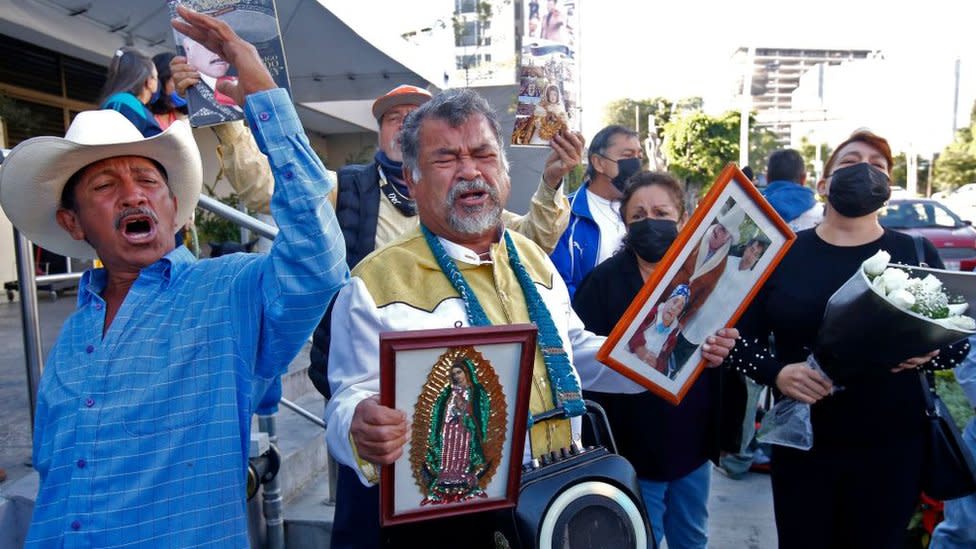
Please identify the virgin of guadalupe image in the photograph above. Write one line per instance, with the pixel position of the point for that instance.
(459, 429)
(456, 442)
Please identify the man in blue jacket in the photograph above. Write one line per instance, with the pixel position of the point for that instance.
(787, 192)
(596, 228)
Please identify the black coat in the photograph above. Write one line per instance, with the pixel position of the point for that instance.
(663, 441)
(357, 210)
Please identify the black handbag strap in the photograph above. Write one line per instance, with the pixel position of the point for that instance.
(919, 250)
(927, 379)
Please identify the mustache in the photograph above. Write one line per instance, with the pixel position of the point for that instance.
(142, 210)
(471, 185)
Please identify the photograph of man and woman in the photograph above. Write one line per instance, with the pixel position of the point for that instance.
(701, 291)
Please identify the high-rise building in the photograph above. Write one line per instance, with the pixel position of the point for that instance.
(776, 73)
(484, 43)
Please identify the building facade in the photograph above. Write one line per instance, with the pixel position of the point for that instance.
(775, 74)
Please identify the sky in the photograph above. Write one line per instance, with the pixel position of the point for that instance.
(643, 49)
(678, 49)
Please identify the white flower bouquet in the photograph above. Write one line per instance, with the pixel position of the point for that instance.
(888, 313)
(883, 315)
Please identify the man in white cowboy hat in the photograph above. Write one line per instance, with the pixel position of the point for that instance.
(375, 208)
(143, 416)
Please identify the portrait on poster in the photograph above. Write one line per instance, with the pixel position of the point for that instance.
(253, 20)
(548, 83)
(720, 259)
(465, 393)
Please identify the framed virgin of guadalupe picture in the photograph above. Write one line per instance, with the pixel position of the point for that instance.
(466, 395)
(720, 259)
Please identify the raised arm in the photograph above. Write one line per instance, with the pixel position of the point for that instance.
(288, 290)
(549, 211)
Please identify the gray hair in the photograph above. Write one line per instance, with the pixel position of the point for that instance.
(455, 107)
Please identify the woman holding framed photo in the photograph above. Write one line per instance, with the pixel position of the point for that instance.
(669, 446)
(859, 484)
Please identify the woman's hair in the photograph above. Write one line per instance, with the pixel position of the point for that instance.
(127, 72)
(643, 179)
(163, 105)
(868, 138)
(761, 240)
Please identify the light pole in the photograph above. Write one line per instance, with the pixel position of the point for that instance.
(746, 107)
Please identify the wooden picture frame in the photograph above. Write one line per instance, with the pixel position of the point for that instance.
(657, 341)
(466, 395)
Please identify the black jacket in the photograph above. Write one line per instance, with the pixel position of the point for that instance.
(662, 441)
(357, 210)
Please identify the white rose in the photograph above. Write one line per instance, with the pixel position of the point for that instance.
(964, 323)
(875, 265)
(878, 285)
(894, 279)
(902, 299)
(956, 309)
(931, 284)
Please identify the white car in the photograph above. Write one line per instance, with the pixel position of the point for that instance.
(963, 201)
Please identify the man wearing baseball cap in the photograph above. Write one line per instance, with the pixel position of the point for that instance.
(374, 207)
(144, 408)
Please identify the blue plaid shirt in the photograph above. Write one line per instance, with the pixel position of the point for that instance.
(141, 436)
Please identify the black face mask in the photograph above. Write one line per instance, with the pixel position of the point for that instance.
(626, 167)
(858, 190)
(651, 238)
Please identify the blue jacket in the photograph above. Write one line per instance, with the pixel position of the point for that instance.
(576, 253)
(789, 199)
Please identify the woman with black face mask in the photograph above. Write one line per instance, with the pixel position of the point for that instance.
(859, 484)
(674, 477)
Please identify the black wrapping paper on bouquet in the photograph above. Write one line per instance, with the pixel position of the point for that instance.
(863, 333)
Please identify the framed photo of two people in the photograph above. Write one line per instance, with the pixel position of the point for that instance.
(718, 262)
(465, 392)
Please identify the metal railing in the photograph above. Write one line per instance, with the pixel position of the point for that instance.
(28, 283)
(29, 318)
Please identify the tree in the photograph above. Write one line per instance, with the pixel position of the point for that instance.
(808, 151)
(956, 165)
(899, 172)
(762, 143)
(623, 112)
(698, 146)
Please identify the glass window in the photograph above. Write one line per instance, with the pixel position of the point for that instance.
(942, 217)
(468, 35)
(464, 6)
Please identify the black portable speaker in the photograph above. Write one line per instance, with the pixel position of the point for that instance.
(581, 498)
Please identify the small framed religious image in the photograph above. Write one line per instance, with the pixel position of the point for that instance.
(466, 395)
(720, 259)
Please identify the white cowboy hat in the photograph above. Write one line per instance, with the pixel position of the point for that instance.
(35, 172)
(731, 220)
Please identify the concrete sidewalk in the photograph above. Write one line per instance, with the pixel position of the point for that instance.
(740, 513)
(15, 432)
